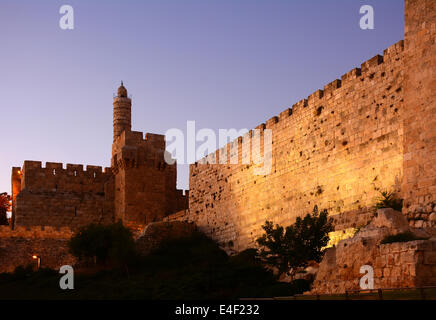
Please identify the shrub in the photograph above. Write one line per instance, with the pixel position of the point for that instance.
(5, 206)
(299, 243)
(389, 200)
(401, 237)
(103, 243)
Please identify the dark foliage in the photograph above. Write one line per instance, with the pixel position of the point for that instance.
(103, 244)
(190, 268)
(296, 245)
(5, 206)
(389, 200)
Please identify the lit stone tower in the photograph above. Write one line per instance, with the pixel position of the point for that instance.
(122, 112)
(144, 184)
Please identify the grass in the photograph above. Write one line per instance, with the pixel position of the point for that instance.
(190, 268)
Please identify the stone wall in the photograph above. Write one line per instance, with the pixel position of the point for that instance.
(54, 196)
(396, 265)
(419, 184)
(336, 149)
(18, 246)
(145, 184)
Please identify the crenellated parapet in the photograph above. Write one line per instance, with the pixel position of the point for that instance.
(54, 177)
(337, 149)
(314, 104)
(59, 195)
(36, 232)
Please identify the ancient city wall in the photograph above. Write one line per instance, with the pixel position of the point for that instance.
(54, 196)
(419, 184)
(145, 184)
(17, 247)
(336, 149)
(396, 265)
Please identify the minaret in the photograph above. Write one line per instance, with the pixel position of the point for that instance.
(122, 112)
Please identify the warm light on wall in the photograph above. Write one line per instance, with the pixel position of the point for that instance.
(38, 258)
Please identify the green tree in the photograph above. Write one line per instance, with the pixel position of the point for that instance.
(389, 199)
(103, 244)
(296, 245)
(5, 206)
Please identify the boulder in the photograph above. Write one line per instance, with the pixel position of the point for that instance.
(394, 264)
(394, 221)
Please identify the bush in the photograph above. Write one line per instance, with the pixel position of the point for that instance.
(389, 200)
(104, 244)
(194, 267)
(401, 237)
(298, 244)
(5, 206)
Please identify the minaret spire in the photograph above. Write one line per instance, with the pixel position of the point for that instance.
(122, 112)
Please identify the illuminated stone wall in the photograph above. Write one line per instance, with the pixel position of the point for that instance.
(145, 184)
(336, 149)
(58, 196)
(18, 246)
(396, 265)
(139, 188)
(419, 183)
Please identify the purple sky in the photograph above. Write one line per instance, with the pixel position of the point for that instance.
(223, 63)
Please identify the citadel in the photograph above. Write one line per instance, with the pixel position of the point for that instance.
(373, 129)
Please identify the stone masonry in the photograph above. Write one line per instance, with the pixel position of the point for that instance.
(138, 188)
(372, 130)
(336, 149)
(395, 265)
(51, 202)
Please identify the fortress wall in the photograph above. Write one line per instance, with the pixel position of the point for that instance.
(18, 246)
(54, 196)
(419, 183)
(145, 184)
(335, 149)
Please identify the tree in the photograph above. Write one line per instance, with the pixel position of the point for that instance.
(389, 199)
(103, 244)
(296, 245)
(5, 206)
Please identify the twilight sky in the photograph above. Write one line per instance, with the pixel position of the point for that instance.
(222, 63)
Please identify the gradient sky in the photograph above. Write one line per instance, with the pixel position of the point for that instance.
(223, 63)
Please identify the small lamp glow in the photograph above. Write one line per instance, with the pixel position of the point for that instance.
(38, 258)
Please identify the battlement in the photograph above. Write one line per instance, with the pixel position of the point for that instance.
(336, 148)
(55, 177)
(138, 138)
(58, 168)
(315, 102)
(36, 232)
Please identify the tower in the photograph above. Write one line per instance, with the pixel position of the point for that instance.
(145, 185)
(122, 112)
